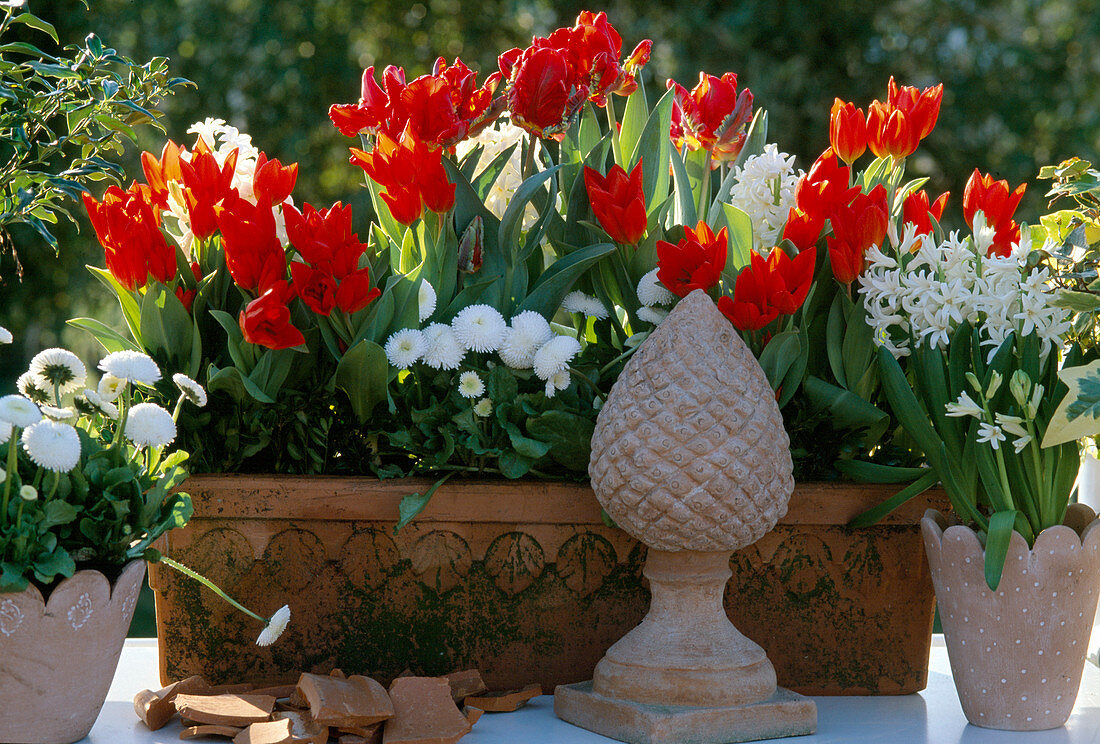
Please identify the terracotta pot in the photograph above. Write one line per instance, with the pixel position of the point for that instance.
(1017, 653)
(524, 581)
(57, 658)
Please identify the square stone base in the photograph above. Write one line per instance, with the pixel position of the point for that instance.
(783, 714)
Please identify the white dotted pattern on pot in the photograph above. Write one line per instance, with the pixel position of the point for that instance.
(11, 617)
(81, 612)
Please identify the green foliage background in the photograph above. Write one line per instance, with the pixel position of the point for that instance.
(1022, 88)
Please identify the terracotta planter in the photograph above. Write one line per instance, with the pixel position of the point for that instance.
(524, 581)
(57, 658)
(1017, 653)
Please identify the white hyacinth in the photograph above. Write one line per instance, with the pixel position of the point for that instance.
(275, 626)
(651, 292)
(925, 290)
(149, 425)
(405, 347)
(190, 389)
(964, 406)
(223, 139)
(443, 350)
(494, 140)
(132, 366)
(470, 385)
(425, 299)
(19, 411)
(584, 304)
(58, 368)
(107, 408)
(527, 332)
(555, 355)
(52, 445)
(558, 381)
(764, 190)
(480, 328)
(5, 336)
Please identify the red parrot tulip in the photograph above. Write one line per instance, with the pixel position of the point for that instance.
(712, 116)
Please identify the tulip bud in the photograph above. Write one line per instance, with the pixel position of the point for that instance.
(469, 247)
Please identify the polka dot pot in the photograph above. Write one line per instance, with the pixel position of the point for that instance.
(57, 658)
(1017, 652)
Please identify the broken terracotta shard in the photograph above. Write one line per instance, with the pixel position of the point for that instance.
(355, 701)
(424, 713)
(225, 710)
(504, 702)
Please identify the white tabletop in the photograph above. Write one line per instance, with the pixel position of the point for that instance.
(932, 716)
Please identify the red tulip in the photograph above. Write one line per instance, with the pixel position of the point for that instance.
(769, 287)
(696, 262)
(266, 320)
(159, 172)
(253, 253)
(206, 184)
(847, 131)
(325, 238)
(803, 228)
(889, 132)
(316, 287)
(856, 228)
(712, 116)
(618, 202)
(543, 97)
(825, 188)
(992, 198)
(272, 182)
(128, 227)
(355, 291)
(916, 210)
(922, 108)
(412, 175)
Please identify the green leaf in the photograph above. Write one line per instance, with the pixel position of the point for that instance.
(755, 138)
(996, 545)
(179, 514)
(685, 213)
(634, 120)
(130, 310)
(874, 514)
(655, 144)
(512, 221)
(546, 295)
(514, 465)
(230, 380)
(166, 326)
(778, 356)
(484, 181)
(110, 339)
(846, 409)
(740, 239)
(568, 434)
(33, 21)
(873, 472)
(362, 374)
(412, 504)
(57, 512)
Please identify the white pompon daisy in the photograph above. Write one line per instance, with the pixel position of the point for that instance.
(58, 368)
(480, 328)
(426, 300)
(132, 366)
(405, 347)
(108, 409)
(110, 387)
(651, 292)
(555, 356)
(483, 407)
(584, 304)
(19, 410)
(443, 350)
(52, 445)
(5, 435)
(28, 493)
(57, 414)
(28, 386)
(529, 331)
(5, 336)
(275, 626)
(149, 425)
(190, 389)
(652, 315)
(470, 385)
(558, 381)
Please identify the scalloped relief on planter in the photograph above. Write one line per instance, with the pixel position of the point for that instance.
(57, 658)
(1017, 653)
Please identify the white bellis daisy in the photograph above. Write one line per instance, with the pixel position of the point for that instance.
(149, 425)
(480, 328)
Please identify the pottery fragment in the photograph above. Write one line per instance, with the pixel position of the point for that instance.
(266, 732)
(356, 701)
(504, 702)
(155, 709)
(204, 730)
(464, 684)
(225, 710)
(473, 715)
(303, 728)
(424, 713)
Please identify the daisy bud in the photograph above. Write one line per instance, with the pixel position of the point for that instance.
(28, 493)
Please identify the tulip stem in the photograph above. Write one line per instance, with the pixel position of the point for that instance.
(613, 127)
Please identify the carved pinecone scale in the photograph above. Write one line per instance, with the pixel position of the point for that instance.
(689, 452)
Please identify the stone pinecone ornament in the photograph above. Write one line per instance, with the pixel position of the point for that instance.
(689, 451)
